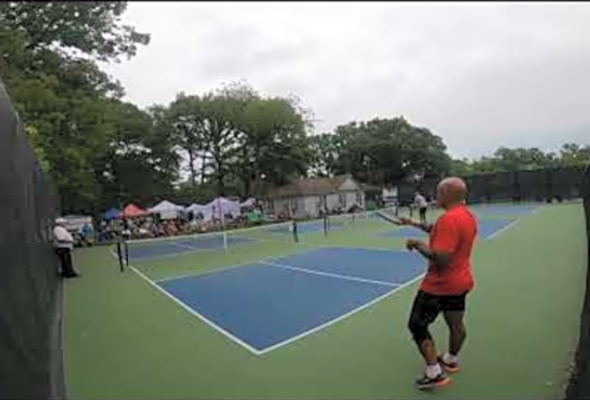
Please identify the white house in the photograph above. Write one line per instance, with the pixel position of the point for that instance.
(306, 197)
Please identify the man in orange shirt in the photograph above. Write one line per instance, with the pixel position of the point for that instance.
(447, 281)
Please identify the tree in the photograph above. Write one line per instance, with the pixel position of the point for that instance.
(383, 151)
(461, 167)
(185, 121)
(573, 154)
(324, 154)
(140, 164)
(91, 28)
(273, 146)
(47, 59)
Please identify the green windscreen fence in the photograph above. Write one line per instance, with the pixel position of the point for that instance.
(579, 386)
(30, 290)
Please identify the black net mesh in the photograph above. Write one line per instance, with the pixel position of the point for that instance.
(550, 184)
(579, 386)
(30, 289)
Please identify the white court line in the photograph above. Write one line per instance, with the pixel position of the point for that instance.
(208, 272)
(193, 312)
(536, 208)
(338, 319)
(338, 276)
(502, 230)
(280, 344)
(245, 263)
(190, 310)
(184, 246)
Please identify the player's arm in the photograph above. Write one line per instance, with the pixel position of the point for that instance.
(425, 227)
(440, 258)
(443, 245)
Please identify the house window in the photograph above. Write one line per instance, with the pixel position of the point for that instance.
(342, 200)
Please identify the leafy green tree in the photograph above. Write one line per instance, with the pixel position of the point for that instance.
(48, 61)
(574, 154)
(273, 146)
(382, 151)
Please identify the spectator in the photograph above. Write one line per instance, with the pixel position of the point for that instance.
(64, 243)
(87, 234)
(422, 205)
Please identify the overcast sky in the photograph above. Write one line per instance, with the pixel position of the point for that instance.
(479, 75)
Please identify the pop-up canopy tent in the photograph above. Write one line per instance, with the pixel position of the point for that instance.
(111, 213)
(249, 202)
(222, 206)
(131, 210)
(206, 210)
(167, 210)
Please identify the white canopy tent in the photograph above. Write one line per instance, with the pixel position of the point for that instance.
(206, 210)
(221, 206)
(249, 202)
(167, 210)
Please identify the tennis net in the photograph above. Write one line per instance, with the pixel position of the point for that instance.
(365, 220)
(220, 241)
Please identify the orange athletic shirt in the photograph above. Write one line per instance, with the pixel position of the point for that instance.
(454, 232)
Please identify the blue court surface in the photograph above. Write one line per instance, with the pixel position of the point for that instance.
(273, 302)
(486, 228)
(163, 248)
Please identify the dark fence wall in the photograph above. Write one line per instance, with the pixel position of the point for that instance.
(536, 185)
(30, 289)
(579, 385)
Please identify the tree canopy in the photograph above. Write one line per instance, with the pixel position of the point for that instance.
(101, 151)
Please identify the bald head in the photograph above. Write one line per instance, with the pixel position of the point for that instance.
(451, 191)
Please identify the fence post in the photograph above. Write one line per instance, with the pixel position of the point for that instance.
(579, 384)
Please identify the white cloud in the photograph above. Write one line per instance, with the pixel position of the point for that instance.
(479, 75)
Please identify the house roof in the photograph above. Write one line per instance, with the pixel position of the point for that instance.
(310, 186)
(367, 187)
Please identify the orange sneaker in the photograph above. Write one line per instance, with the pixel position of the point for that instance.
(426, 383)
(449, 367)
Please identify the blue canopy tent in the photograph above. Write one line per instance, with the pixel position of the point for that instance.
(111, 213)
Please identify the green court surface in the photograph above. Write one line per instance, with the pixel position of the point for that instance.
(126, 340)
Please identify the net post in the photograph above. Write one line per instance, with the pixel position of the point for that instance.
(225, 247)
(295, 235)
(120, 254)
(325, 222)
(126, 252)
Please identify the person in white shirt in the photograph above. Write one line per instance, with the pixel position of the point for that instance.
(422, 205)
(64, 243)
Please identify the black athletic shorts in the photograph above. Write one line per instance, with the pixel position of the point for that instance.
(427, 306)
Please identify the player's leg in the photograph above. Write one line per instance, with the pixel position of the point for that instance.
(62, 261)
(424, 311)
(423, 215)
(70, 272)
(454, 310)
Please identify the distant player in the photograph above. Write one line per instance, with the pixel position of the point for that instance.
(447, 281)
(422, 205)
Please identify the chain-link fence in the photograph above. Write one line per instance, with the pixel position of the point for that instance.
(579, 386)
(550, 184)
(30, 289)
